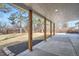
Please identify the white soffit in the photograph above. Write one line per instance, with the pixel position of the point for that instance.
(65, 12)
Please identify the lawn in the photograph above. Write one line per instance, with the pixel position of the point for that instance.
(8, 36)
(18, 37)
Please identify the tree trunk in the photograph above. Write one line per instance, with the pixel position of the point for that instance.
(20, 27)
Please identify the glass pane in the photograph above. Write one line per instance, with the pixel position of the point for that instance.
(13, 25)
(47, 28)
(38, 27)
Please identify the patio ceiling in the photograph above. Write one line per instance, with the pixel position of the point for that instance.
(57, 12)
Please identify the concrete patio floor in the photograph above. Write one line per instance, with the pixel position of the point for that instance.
(58, 45)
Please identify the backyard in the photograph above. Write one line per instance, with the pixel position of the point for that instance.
(12, 39)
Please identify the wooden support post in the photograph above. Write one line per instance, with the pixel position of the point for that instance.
(30, 31)
(53, 28)
(45, 29)
(50, 28)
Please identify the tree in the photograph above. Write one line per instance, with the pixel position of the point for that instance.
(21, 20)
(65, 25)
(18, 18)
(12, 18)
(5, 8)
(3, 27)
(77, 24)
(38, 24)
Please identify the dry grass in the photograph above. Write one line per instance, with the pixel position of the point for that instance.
(11, 39)
(19, 37)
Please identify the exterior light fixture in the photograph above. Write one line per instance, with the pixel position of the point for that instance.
(56, 10)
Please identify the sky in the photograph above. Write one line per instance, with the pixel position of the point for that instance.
(4, 16)
(72, 23)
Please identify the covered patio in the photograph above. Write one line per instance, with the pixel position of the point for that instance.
(59, 38)
(58, 45)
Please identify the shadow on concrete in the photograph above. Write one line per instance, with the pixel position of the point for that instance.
(18, 48)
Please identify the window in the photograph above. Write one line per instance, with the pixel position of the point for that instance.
(38, 28)
(13, 24)
(47, 28)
